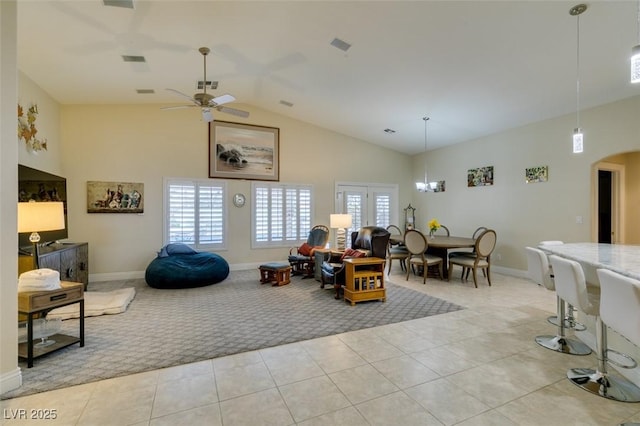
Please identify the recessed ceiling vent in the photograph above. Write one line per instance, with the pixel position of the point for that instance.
(131, 58)
(127, 4)
(340, 44)
(210, 84)
(286, 103)
(391, 131)
(145, 91)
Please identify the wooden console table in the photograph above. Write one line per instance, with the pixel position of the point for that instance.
(32, 303)
(364, 279)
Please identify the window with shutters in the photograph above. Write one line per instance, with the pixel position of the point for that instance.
(281, 215)
(195, 213)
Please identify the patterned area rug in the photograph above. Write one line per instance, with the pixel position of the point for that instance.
(163, 328)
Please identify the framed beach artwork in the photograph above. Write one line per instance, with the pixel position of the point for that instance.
(482, 176)
(115, 197)
(243, 151)
(537, 174)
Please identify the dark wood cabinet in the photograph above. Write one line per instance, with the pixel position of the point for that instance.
(70, 259)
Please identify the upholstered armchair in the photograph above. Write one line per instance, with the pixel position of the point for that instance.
(371, 241)
(301, 258)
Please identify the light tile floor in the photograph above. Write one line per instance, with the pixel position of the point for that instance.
(478, 366)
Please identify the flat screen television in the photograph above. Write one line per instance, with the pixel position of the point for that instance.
(37, 185)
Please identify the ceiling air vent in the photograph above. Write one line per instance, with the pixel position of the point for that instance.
(127, 4)
(132, 58)
(145, 91)
(340, 44)
(210, 84)
(389, 131)
(286, 103)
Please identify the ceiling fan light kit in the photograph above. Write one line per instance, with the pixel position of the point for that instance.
(207, 102)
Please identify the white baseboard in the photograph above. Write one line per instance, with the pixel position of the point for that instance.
(510, 271)
(11, 380)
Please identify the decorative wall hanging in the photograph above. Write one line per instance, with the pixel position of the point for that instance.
(482, 176)
(243, 151)
(537, 174)
(115, 197)
(27, 129)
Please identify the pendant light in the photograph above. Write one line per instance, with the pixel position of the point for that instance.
(426, 185)
(635, 55)
(578, 137)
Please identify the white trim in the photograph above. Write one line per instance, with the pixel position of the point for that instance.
(11, 380)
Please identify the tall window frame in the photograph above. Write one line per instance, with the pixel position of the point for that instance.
(282, 214)
(195, 213)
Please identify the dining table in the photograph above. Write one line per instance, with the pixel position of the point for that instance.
(439, 245)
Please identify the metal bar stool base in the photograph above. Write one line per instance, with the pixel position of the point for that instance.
(568, 324)
(563, 344)
(607, 386)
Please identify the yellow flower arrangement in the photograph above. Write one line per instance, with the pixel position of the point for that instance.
(433, 225)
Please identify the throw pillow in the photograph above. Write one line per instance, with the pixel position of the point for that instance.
(305, 249)
(175, 248)
(349, 252)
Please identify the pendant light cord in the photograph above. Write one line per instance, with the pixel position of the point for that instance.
(578, 73)
(425, 118)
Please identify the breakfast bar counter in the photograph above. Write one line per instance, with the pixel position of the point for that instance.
(620, 258)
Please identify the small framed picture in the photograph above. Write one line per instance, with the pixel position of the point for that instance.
(536, 174)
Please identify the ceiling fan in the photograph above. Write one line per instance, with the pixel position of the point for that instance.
(206, 101)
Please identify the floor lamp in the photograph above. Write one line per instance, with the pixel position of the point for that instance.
(340, 222)
(37, 217)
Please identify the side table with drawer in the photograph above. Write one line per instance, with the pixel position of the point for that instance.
(32, 303)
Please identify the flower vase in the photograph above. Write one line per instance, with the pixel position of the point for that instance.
(431, 234)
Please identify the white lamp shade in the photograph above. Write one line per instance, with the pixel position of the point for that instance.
(42, 216)
(340, 221)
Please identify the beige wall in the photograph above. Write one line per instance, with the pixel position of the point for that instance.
(524, 214)
(10, 376)
(141, 143)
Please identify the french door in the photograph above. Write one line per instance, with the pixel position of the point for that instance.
(368, 204)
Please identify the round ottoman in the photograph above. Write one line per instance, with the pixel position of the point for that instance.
(186, 270)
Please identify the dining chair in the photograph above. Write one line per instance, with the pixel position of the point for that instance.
(416, 244)
(481, 259)
(468, 251)
(396, 248)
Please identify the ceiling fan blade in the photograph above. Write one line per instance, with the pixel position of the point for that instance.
(183, 95)
(221, 100)
(233, 111)
(178, 107)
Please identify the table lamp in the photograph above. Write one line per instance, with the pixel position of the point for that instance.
(36, 217)
(340, 222)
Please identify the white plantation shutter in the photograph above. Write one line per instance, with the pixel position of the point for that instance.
(382, 209)
(195, 213)
(282, 214)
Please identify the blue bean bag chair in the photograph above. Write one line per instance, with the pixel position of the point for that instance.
(180, 266)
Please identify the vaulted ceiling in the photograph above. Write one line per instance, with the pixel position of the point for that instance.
(475, 67)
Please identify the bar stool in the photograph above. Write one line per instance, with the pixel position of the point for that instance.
(570, 320)
(620, 310)
(539, 267)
